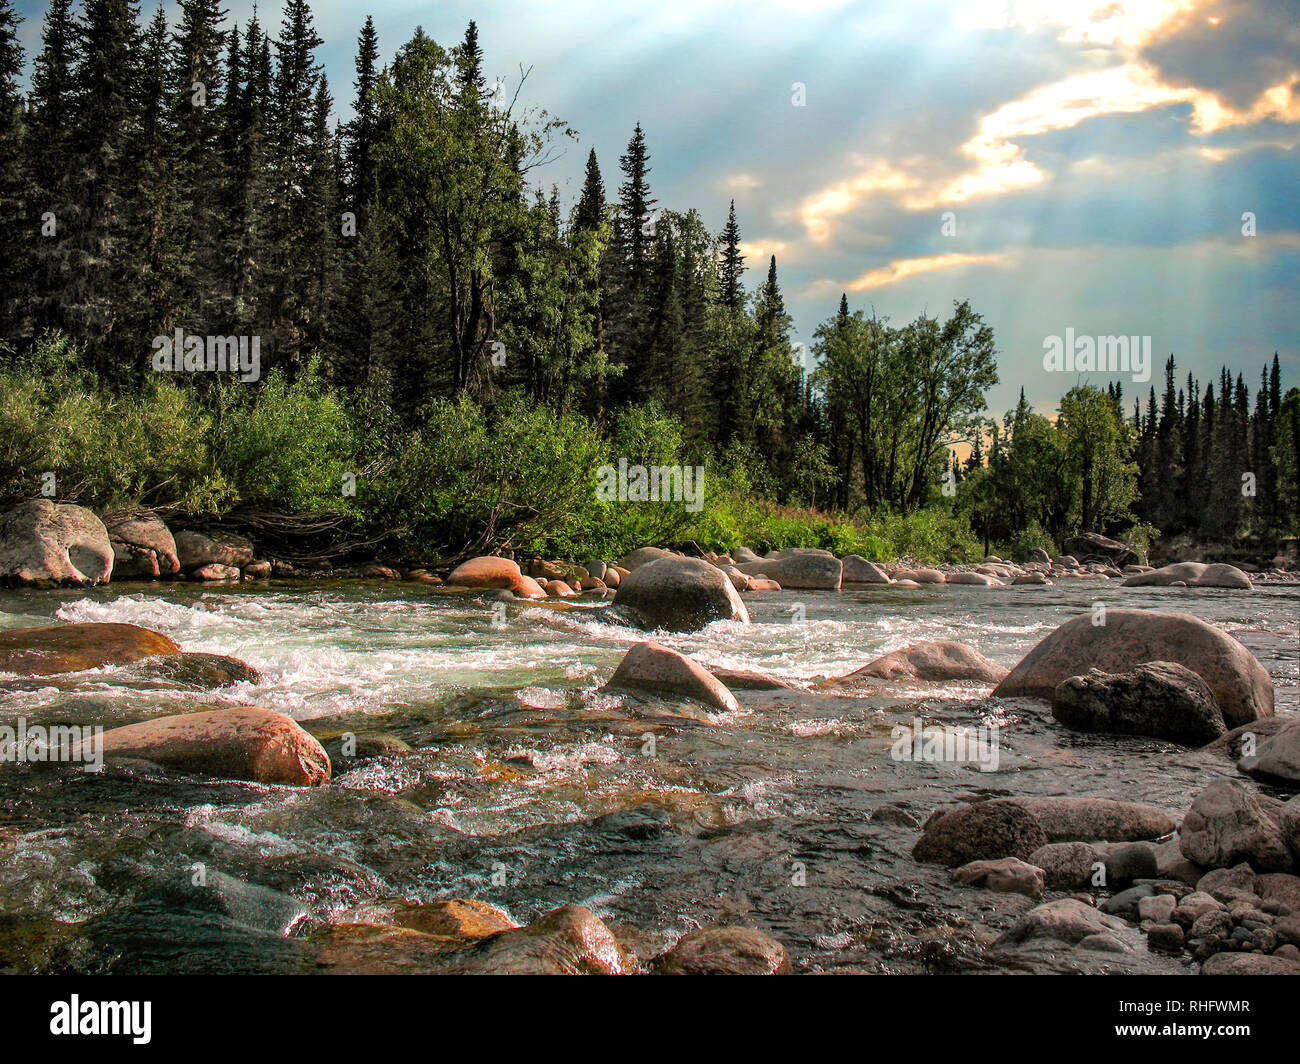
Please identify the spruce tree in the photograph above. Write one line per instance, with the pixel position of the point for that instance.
(19, 231)
(733, 262)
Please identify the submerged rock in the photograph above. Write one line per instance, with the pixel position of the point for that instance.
(651, 667)
(49, 544)
(725, 951)
(1159, 698)
(201, 672)
(572, 940)
(243, 744)
(1242, 686)
(745, 680)
(680, 595)
(461, 918)
(56, 648)
(937, 661)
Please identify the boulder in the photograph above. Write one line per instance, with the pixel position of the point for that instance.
(491, 571)
(725, 951)
(245, 743)
(213, 572)
(1031, 580)
(651, 667)
(1124, 864)
(1159, 698)
(1064, 920)
(857, 570)
(1277, 759)
(143, 547)
(571, 940)
(56, 648)
(196, 549)
(979, 831)
(1089, 546)
(1227, 885)
(937, 661)
(200, 672)
(1242, 686)
(680, 595)
(803, 569)
(1249, 964)
(643, 556)
(559, 589)
(1191, 574)
(48, 544)
(1006, 876)
(1095, 819)
(974, 580)
(1227, 824)
(1035, 556)
(1066, 865)
(456, 918)
(745, 680)
(1289, 823)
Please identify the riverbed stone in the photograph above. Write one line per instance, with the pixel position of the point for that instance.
(652, 667)
(974, 580)
(1066, 819)
(245, 743)
(1066, 865)
(747, 680)
(935, 661)
(1242, 686)
(49, 544)
(680, 595)
(643, 556)
(1158, 908)
(979, 831)
(571, 940)
(1158, 698)
(1277, 758)
(725, 951)
(800, 569)
(195, 549)
(143, 547)
(200, 672)
(494, 572)
(1192, 574)
(1249, 964)
(459, 918)
(1063, 920)
(857, 570)
(1227, 824)
(1008, 875)
(1124, 864)
(56, 648)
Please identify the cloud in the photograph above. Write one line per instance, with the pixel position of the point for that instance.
(901, 269)
(1236, 49)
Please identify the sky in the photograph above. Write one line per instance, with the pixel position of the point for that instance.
(1111, 167)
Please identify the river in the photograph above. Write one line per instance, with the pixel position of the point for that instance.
(529, 787)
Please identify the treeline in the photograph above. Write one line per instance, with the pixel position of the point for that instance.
(193, 179)
(1217, 465)
(413, 284)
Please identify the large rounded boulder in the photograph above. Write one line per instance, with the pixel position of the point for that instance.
(49, 544)
(807, 569)
(679, 595)
(651, 667)
(197, 549)
(54, 648)
(937, 661)
(1242, 686)
(491, 571)
(1193, 574)
(245, 743)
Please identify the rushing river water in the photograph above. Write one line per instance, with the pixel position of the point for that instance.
(530, 788)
